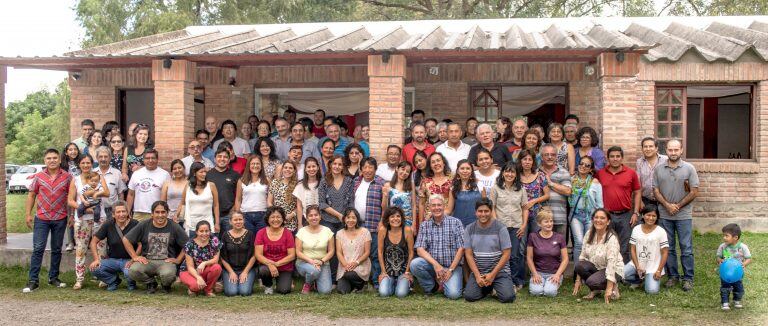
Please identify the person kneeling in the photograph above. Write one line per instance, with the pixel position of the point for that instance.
(353, 246)
(600, 260)
(486, 249)
(275, 251)
(202, 268)
(161, 245)
(118, 261)
(547, 256)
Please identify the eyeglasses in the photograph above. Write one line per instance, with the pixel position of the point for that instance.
(586, 165)
(194, 147)
(548, 154)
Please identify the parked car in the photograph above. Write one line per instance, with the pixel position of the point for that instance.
(10, 169)
(21, 180)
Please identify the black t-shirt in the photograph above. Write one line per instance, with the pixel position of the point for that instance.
(158, 243)
(115, 248)
(499, 153)
(237, 252)
(226, 184)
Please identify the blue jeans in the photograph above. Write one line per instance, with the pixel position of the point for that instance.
(254, 221)
(374, 256)
(426, 276)
(233, 289)
(516, 261)
(546, 287)
(110, 269)
(725, 291)
(311, 274)
(224, 224)
(580, 224)
(650, 284)
(40, 233)
(399, 287)
(684, 231)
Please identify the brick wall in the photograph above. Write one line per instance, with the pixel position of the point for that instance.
(227, 102)
(443, 100)
(584, 101)
(97, 103)
(174, 108)
(3, 216)
(386, 103)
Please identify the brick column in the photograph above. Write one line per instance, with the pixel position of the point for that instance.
(386, 115)
(618, 119)
(3, 217)
(174, 108)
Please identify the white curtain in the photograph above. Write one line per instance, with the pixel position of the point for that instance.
(521, 100)
(336, 103)
(716, 91)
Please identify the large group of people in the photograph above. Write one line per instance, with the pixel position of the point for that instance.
(469, 209)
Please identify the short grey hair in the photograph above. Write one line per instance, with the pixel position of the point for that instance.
(103, 149)
(442, 125)
(483, 125)
(436, 196)
(548, 145)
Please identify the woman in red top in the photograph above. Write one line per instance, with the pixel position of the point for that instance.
(275, 251)
(437, 181)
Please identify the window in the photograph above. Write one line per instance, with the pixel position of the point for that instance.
(408, 106)
(713, 121)
(486, 103)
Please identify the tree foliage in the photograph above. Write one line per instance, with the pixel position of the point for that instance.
(41, 121)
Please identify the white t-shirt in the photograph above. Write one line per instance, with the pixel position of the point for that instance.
(146, 185)
(486, 183)
(189, 160)
(254, 197)
(384, 172)
(361, 196)
(454, 155)
(306, 196)
(648, 247)
(239, 145)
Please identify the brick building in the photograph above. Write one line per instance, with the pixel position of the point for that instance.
(699, 79)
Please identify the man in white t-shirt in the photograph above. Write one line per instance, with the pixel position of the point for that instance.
(229, 131)
(195, 151)
(454, 149)
(386, 171)
(145, 185)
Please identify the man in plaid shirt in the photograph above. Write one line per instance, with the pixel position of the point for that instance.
(368, 203)
(440, 246)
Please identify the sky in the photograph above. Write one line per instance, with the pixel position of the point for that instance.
(36, 28)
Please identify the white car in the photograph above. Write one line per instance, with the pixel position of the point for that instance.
(21, 180)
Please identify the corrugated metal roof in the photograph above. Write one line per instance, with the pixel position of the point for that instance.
(665, 38)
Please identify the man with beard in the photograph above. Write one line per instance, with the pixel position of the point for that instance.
(676, 185)
(419, 143)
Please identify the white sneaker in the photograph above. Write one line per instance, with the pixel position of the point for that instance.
(269, 290)
(726, 306)
(737, 305)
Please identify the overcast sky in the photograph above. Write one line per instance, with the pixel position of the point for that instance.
(36, 27)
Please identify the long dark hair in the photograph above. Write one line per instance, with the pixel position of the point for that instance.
(507, 135)
(246, 178)
(305, 179)
(174, 162)
(391, 210)
(417, 174)
(407, 184)
(329, 171)
(270, 143)
(510, 166)
(608, 231)
(523, 154)
(108, 126)
(471, 183)
(446, 168)
(192, 177)
(141, 126)
(347, 161)
(65, 158)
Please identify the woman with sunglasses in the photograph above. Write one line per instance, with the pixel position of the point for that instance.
(116, 145)
(586, 196)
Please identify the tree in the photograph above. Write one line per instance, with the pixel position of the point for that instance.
(713, 7)
(41, 101)
(38, 130)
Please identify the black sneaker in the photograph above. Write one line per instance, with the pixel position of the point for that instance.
(56, 282)
(151, 288)
(687, 285)
(165, 289)
(31, 286)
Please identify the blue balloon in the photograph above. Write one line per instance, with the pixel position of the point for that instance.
(731, 271)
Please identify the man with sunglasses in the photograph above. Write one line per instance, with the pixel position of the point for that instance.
(559, 182)
(195, 155)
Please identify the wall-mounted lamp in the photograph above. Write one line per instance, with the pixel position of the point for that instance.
(167, 63)
(76, 76)
(620, 56)
(232, 81)
(385, 56)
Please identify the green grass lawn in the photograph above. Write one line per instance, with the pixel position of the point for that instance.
(671, 306)
(14, 210)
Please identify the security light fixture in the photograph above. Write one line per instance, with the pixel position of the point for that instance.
(385, 56)
(76, 76)
(167, 63)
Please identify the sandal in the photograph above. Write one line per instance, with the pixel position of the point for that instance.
(78, 285)
(589, 296)
(210, 294)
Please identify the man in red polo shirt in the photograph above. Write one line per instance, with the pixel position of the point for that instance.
(49, 189)
(419, 143)
(621, 196)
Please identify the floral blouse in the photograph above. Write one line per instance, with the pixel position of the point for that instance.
(535, 189)
(270, 167)
(283, 195)
(201, 254)
(116, 161)
(429, 187)
(402, 199)
(604, 254)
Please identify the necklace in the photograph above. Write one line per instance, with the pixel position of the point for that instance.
(237, 240)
